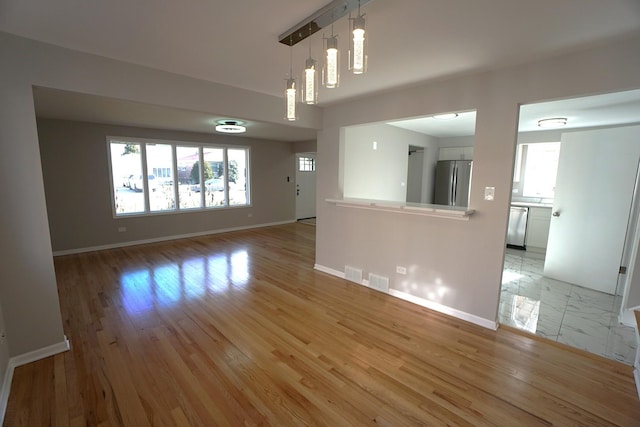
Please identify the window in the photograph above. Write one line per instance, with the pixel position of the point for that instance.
(536, 169)
(307, 164)
(158, 177)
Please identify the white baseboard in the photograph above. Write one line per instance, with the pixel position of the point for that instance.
(166, 238)
(462, 315)
(23, 359)
(467, 317)
(330, 271)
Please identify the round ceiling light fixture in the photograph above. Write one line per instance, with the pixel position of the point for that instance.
(230, 126)
(554, 122)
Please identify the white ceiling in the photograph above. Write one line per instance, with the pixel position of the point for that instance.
(235, 42)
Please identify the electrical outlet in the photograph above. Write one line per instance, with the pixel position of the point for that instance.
(401, 270)
(122, 229)
(3, 337)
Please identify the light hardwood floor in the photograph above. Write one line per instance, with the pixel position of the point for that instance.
(238, 329)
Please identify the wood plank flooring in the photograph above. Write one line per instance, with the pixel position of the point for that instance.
(238, 329)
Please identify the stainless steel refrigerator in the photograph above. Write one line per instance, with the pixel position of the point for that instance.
(452, 182)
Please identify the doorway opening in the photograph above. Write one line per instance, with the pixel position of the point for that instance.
(306, 187)
(564, 283)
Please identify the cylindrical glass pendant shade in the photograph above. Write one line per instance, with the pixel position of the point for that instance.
(310, 82)
(357, 48)
(290, 99)
(331, 69)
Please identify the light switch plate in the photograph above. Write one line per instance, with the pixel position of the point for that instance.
(489, 193)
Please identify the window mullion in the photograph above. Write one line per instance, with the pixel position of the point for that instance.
(201, 171)
(174, 176)
(145, 177)
(225, 162)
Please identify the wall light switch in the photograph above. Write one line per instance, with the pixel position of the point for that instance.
(489, 193)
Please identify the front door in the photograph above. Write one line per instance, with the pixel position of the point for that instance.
(305, 185)
(594, 189)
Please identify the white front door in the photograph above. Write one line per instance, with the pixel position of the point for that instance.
(594, 189)
(305, 185)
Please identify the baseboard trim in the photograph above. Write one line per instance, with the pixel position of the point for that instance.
(23, 359)
(636, 376)
(330, 271)
(458, 314)
(166, 238)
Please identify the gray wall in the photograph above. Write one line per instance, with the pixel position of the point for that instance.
(454, 264)
(305, 147)
(460, 261)
(76, 177)
(28, 292)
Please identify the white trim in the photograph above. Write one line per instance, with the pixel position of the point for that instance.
(166, 238)
(6, 389)
(462, 315)
(636, 376)
(467, 317)
(450, 212)
(23, 359)
(330, 271)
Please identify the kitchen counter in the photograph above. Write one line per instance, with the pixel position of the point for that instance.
(532, 205)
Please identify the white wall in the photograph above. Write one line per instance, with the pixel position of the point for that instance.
(455, 264)
(376, 161)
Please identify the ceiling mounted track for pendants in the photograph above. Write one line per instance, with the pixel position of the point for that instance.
(320, 19)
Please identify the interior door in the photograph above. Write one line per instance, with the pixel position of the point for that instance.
(305, 185)
(414, 174)
(594, 189)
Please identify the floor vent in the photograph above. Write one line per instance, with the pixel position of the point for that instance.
(353, 274)
(379, 283)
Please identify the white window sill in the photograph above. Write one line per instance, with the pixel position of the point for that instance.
(406, 208)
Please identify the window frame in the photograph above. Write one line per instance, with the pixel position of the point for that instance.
(174, 170)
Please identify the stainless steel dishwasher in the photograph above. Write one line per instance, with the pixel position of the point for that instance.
(517, 230)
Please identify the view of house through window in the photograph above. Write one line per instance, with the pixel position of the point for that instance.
(153, 177)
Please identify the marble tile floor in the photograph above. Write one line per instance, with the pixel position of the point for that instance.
(562, 312)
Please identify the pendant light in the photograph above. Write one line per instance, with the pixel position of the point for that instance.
(310, 80)
(290, 92)
(331, 69)
(357, 45)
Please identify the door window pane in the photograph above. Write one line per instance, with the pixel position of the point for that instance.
(188, 161)
(126, 170)
(238, 176)
(213, 172)
(161, 187)
(307, 164)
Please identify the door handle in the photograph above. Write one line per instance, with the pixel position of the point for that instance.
(556, 213)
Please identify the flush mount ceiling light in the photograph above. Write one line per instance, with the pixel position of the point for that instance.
(230, 126)
(554, 122)
(448, 116)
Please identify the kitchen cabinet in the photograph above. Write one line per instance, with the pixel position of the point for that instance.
(538, 228)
